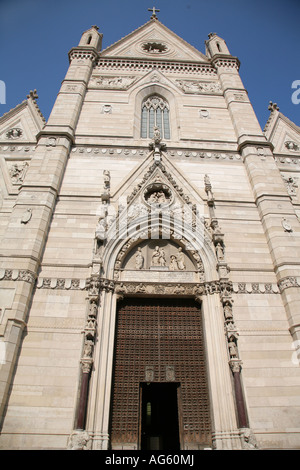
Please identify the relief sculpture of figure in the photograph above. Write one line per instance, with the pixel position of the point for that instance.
(156, 135)
(173, 263)
(155, 257)
(180, 259)
(233, 353)
(220, 252)
(139, 259)
(162, 259)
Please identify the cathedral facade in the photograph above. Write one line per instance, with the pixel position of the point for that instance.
(149, 280)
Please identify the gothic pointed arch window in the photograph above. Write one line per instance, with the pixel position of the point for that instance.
(155, 112)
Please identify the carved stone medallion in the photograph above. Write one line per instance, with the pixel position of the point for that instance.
(154, 47)
(14, 133)
(158, 194)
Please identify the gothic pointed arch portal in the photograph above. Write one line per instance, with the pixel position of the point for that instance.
(161, 321)
(160, 378)
(161, 315)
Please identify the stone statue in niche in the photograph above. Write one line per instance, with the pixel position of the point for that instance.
(208, 188)
(227, 311)
(88, 348)
(106, 175)
(139, 259)
(232, 348)
(220, 252)
(101, 229)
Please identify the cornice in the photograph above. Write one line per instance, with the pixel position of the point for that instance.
(133, 64)
(224, 60)
(83, 52)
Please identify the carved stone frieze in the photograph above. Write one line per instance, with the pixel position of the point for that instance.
(80, 55)
(288, 161)
(197, 87)
(288, 282)
(187, 289)
(255, 288)
(108, 284)
(108, 82)
(227, 63)
(61, 283)
(17, 275)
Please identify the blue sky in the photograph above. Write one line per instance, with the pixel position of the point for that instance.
(36, 35)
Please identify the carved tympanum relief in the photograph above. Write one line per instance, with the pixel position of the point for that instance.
(158, 255)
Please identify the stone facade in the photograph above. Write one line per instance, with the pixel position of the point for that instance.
(92, 213)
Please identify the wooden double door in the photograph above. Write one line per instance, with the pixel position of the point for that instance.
(160, 394)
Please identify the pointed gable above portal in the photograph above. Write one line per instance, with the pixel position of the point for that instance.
(154, 41)
(282, 133)
(22, 123)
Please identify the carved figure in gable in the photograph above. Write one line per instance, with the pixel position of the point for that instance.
(158, 194)
(18, 171)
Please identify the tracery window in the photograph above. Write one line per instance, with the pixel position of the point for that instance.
(155, 112)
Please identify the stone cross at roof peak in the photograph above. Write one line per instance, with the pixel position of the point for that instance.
(154, 10)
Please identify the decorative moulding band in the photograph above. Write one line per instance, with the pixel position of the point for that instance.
(137, 287)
